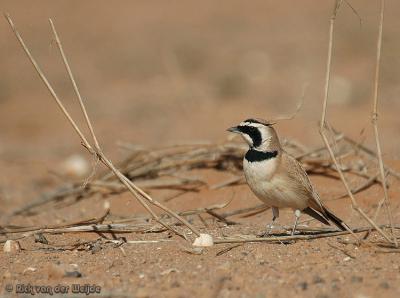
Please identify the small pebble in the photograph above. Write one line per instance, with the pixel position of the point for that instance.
(7, 275)
(384, 285)
(263, 262)
(335, 286)
(29, 269)
(96, 248)
(11, 246)
(175, 284)
(74, 273)
(168, 271)
(355, 279)
(303, 285)
(55, 271)
(39, 238)
(318, 280)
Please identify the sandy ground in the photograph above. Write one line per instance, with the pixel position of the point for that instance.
(168, 72)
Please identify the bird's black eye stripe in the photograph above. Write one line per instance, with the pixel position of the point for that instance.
(253, 133)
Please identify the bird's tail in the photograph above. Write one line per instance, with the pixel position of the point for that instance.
(336, 220)
(326, 217)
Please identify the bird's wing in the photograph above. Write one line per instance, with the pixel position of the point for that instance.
(299, 177)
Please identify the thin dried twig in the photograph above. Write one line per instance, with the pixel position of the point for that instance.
(298, 108)
(71, 76)
(250, 210)
(301, 156)
(229, 182)
(91, 221)
(343, 250)
(136, 241)
(228, 249)
(314, 235)
(369, 152)
(387, 251)
(322, 129)
(386, 199)
(46, 198)
(221, 218)
(369, 182)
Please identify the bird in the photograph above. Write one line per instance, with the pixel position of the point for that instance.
(277, 178)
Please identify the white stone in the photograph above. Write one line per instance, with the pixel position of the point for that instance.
(75, 166)
(11, 246)
(29, 269)
(204, 240)
(106, 205)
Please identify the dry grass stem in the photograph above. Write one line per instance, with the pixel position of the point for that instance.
(281, 239)
(386, 199)
(343, 250)
(322, 130)
(372, 154)
(228, 249)
(46, 82)
(369, 182)
(72, 79)
(298, 107)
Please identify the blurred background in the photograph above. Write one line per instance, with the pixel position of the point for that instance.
(154, 73)
(173, 71)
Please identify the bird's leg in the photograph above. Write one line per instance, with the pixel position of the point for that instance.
(275, 215)
(297, 214)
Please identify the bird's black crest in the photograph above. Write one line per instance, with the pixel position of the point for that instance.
(255, 155)
(263, 122)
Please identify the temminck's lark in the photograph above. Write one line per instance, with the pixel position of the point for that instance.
(276, 177)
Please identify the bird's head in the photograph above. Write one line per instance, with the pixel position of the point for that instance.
(258, 134)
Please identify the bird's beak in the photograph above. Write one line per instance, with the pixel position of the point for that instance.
(234, 129)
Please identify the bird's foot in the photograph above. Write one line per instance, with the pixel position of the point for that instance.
(297, 214)
(269, 231)
(264, 234)
(294, 232)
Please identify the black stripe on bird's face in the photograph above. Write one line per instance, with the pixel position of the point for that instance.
(255, 156)
(253, 132)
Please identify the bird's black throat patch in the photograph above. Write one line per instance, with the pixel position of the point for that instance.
(254, 156)
(253, 132)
